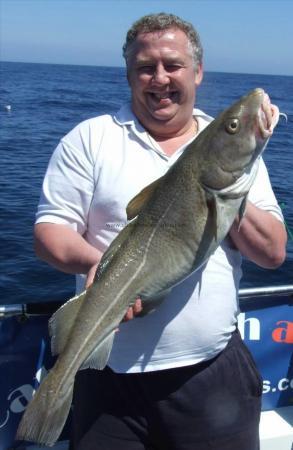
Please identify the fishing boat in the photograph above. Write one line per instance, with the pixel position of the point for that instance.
(265, 323)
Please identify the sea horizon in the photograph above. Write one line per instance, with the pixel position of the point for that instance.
(123, 67)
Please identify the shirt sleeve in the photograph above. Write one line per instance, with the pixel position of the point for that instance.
(68, 185)
(261, 193)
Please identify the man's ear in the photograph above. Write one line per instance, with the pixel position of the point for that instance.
(198, 74)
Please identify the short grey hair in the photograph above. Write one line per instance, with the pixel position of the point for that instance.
(160, 22)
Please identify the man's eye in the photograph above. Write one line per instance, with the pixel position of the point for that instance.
(146, 69)
(171, 67)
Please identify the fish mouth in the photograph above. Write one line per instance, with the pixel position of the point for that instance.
(268, 116)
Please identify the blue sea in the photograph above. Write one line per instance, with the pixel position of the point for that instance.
(46, 102)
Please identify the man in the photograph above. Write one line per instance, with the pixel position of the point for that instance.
(179, 378)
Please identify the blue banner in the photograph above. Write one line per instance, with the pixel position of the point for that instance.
(25, 358)
(268, 333)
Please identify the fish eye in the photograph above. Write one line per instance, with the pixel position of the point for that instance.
(232, 125)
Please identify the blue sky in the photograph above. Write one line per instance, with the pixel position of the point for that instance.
(238, 36)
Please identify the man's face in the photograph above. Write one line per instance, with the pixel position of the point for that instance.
(163, 79)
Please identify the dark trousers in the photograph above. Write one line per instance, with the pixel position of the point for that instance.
(211, 405)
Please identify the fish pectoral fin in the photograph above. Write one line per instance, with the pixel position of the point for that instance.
(234, 199)
(99, 357)
(214, 210)
(242, 210)
(140, 200)
(62, 321)
(226, 209)
(221, 208)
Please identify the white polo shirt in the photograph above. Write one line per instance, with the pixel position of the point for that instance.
(94, 172)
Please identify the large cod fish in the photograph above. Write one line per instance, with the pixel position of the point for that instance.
(178, 222)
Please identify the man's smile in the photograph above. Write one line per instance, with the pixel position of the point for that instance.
(163, 98)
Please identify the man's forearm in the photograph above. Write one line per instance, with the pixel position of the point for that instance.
(261, 237)
(64, 248)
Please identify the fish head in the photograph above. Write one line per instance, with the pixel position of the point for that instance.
(236, 139)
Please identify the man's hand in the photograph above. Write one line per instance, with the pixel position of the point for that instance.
(91, 275)
(132, 310)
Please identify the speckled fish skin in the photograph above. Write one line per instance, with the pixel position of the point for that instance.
(177, 223)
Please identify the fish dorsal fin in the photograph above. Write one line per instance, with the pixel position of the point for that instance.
(62, 321)
(99, 357)
(140, 200)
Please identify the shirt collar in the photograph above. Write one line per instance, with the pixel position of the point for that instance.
(125, 117)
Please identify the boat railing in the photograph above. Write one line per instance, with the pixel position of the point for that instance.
(266, 291)
(247, 296)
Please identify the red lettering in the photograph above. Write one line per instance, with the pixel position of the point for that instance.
(285, 333)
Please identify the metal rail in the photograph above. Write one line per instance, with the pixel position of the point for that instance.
(12, 310)
(48, 308)
(266, 291)
(29, 309)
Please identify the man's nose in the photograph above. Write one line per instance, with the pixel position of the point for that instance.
(160, 75)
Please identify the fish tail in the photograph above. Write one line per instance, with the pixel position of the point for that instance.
(46, 414)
